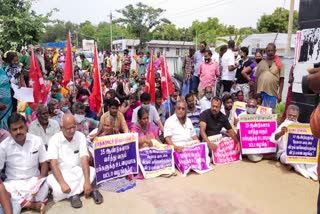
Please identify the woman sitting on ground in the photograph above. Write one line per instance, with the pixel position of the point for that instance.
(146, 130)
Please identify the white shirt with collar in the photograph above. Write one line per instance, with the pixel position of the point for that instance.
(22, 162)
(180, 134)
(67, 153)
(205, 103)
(228, 60)
(36, 129)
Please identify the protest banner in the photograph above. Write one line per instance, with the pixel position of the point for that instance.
(237, 108)
(156, 160)
(115, 156)
(302, 146)
(255, 133)
(264, 110)
(226, 151)
(194, 156)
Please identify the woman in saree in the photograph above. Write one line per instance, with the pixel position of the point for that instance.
(145, 129)
(5, 99)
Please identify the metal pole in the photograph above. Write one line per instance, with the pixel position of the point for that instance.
(110, 31)
(290, 26)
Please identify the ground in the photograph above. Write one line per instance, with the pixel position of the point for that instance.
(239, 188)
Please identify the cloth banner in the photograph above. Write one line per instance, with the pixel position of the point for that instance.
(226, 151)
(157, 160)
(255, 133)
(302, 146)
(115, 156)
(193, 157)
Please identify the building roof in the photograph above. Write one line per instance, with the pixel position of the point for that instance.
(127, 42)
(170, 43)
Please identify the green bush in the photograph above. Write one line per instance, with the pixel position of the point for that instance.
(280, 109)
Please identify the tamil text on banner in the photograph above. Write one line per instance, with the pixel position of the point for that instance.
(226, 151)
(255, 133)
(302, 146)
(193, 157)
(156, 160)
(115, 156)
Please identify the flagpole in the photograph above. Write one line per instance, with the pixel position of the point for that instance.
(96, 50)
(166, 76)
(72, 70)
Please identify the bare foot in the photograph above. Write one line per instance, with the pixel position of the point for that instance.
(38, 206)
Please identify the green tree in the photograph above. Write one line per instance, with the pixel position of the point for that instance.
(19, 25)
(59, 31)
(277, 21)
(141, 19)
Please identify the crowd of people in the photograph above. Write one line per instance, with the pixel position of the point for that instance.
(54, 140)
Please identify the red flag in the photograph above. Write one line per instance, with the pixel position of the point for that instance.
(150, 86)
(167, 86)
(96, 95)
(68, 64)
(36, 82)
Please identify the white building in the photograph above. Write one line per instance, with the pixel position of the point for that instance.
(174, 51)
(260, 41)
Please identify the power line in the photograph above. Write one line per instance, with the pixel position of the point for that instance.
(218, 4)
(207, 4)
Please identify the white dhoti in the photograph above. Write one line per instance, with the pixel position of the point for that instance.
(26, 190)
(74, 178)
(306, 170)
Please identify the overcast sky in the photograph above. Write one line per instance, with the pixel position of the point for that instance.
(241, 13)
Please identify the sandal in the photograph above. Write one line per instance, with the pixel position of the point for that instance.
(97, 197)
(76, 202)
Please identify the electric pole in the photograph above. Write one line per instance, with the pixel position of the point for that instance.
(290, 26)
(110, 31)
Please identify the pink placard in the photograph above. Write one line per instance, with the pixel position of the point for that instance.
(255, 133)
(226, 152)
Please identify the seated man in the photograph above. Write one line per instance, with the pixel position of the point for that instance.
(44, 127)
(119, 121)
(84, 125)
(71, 174)
(6, 205)
(169, 105)
(178, 129)
(205, 102)
(252, 107)
(22, 153)
(145, 99)
(193, 112)
(278, 137)
(212, 121)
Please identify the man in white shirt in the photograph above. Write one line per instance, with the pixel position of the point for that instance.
(215, 55)
(278, 137)
(197, 60)
(178, 129)
(71, 174)
(228, 67)
(114, 61)
(22, 153)
(44, 127)
(205, 102)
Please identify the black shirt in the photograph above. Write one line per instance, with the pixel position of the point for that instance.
(240, 78)
(214, 124)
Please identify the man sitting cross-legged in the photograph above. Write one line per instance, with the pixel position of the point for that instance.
(22, 153)
(68, 156)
